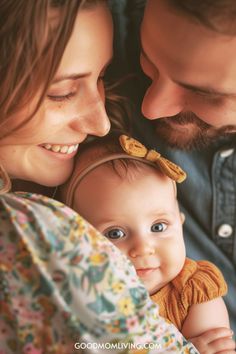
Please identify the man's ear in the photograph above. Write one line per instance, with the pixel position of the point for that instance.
(182, 217)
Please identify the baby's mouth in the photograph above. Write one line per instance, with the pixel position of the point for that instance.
(63, 149)
(141, 272)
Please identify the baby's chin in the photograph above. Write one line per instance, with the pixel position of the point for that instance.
(152, 287)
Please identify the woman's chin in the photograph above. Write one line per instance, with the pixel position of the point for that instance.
(49, 177)
(52, 181)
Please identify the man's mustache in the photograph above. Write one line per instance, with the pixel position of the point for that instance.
(189, 117)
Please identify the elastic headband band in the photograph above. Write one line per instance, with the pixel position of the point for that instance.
(76, 179)
(134, 150)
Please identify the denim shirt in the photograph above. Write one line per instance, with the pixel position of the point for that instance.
(208, 196)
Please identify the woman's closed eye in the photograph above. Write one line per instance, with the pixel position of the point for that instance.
(69, 95)
(60, 98)
(114, 234)
(159, 227)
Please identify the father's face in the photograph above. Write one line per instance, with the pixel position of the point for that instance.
(193, 73)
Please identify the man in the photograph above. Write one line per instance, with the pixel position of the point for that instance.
(188, 50)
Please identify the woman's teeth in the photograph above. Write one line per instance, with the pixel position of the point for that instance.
(63, 149)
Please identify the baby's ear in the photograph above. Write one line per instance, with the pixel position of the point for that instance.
(182, 217)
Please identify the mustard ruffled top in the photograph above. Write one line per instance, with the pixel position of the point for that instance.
(198, 282)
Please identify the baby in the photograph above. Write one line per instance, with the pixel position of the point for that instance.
(129, 194)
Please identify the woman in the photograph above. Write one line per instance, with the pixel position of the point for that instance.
(62, 285)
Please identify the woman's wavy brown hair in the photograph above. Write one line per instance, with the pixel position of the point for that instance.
(32, 43)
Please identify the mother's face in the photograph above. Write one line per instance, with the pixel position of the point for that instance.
(43, 150)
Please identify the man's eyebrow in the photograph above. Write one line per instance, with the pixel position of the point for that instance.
(204, 90)
(208, 91)
(77, 76)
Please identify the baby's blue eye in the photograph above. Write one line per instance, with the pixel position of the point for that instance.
(114, 234)
(158, 227)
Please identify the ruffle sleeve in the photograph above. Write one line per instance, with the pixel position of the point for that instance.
(197, 283)
(201, 281)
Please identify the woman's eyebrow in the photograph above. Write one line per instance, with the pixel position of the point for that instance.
(77, 76)
(70, 77)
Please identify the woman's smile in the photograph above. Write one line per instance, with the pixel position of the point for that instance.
(62, 149)
(59, 152)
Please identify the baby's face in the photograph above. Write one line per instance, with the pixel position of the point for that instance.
(140, 215)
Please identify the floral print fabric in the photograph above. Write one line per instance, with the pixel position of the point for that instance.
(63, 284)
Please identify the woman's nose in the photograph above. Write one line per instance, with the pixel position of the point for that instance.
(163, 99)
(93, 119)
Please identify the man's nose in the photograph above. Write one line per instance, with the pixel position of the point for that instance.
(163, 98)
(92, 119)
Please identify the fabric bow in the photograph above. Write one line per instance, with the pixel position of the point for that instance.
(134, 148)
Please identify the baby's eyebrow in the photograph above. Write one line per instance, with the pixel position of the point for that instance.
(162, 213)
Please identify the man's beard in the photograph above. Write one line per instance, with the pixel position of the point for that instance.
(187, 131)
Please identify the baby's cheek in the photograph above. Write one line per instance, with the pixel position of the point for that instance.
(123, 248)
(173, 255)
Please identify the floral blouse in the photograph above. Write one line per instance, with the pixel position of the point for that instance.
(63, 287)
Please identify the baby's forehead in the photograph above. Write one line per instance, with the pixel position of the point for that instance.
(131, 171)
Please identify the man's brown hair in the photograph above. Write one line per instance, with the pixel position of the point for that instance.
(218, 15)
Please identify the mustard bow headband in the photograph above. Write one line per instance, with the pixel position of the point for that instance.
(135, 148)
